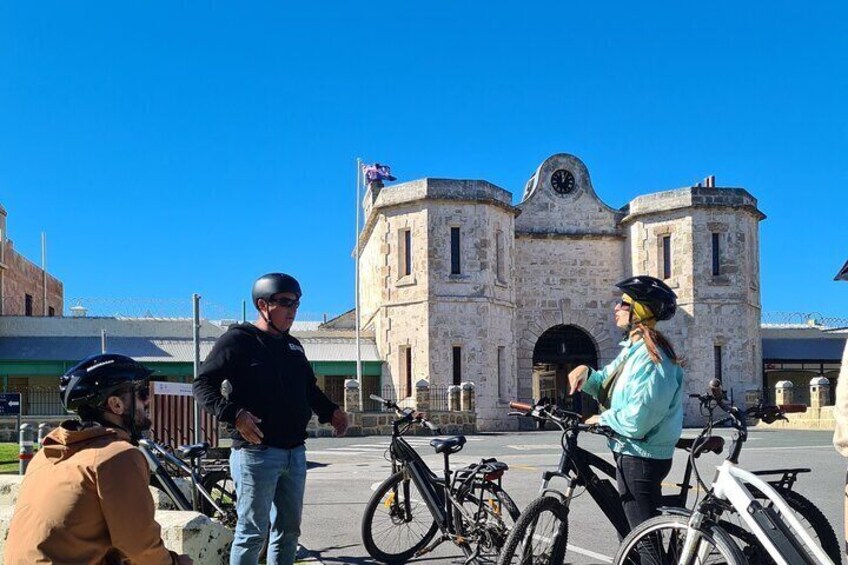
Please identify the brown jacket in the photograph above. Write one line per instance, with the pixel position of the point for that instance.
(84, 500)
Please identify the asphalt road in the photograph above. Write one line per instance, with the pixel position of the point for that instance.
(345, 470)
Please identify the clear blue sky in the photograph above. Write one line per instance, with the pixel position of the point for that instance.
(169, 148)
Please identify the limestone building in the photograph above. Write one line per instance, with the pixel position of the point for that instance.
(25, 289)
(458, 284)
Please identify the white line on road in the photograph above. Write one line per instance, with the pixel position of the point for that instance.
(588, 553)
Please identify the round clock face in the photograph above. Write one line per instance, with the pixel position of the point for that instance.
(562, 181)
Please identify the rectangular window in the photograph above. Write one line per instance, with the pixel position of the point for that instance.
(455, 265)
(407, 370)
(666, 257)
(499, 256)
(27, 305)
(502, 391)
(717, 361)
(407, 252)
(50, 311)
(457, 365)
(716, 255)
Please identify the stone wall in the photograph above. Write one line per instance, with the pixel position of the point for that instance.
(20, 277)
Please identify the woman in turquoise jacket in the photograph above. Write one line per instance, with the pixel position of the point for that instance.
(642, 393)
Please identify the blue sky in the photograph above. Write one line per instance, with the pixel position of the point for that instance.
(169, 148)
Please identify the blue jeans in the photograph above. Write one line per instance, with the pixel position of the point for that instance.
(269, 492)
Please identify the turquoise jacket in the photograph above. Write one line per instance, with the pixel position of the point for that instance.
(646, 407)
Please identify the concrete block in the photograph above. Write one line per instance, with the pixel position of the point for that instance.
(207, 541)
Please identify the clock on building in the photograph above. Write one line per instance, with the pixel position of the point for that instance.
(562, 181)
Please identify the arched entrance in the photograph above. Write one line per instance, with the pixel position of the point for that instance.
(559, 350)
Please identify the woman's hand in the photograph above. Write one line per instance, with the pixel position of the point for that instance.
(576, 378)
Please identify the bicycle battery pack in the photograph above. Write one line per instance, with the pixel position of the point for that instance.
(780, 534)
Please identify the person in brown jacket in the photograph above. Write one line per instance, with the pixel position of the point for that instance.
(85, 497)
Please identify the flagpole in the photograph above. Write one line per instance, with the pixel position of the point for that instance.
(356, 277)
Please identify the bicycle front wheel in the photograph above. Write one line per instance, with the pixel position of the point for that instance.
(397, 522)
(540, 535)
(660, 541)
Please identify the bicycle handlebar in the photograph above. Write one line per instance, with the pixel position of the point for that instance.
(407, 414)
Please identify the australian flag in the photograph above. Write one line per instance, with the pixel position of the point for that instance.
(378, 172)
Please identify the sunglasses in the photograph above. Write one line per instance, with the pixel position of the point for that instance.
(285, 302)
(622, 305)
(142, 392)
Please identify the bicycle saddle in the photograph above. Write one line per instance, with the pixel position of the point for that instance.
(711, 443)
(192, 451)
(450, 445)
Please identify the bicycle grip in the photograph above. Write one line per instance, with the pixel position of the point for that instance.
(521, 406)
(792, 408)
(377, 398)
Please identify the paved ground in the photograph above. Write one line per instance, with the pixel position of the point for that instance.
(345, 470)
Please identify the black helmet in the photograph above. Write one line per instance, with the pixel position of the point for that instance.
(268, 285)
(651, 292)
(90, 382)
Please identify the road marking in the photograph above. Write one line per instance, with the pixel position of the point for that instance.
(587, 553)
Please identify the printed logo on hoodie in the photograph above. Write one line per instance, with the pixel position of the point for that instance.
(296, 347)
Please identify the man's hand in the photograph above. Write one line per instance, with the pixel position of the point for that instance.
(246, 426)
(339, 422)
(576, 378)
(592, 420)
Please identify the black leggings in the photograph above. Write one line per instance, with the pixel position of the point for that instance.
(640, 486)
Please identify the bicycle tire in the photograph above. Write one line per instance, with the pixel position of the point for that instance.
(416, 540)
(526, 527)
(819, 528)
(497, 527)
(637, 548)
(220, 486)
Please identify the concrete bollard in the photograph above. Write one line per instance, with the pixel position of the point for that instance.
(784, 392)
(422, 396)
(25, 453)
(453, 398)
(351, 397)
(819, 392)
(467, 397)
(43, 429)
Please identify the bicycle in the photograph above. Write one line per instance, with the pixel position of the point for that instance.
(212, 489)
(770, 531)
(467, 507)
(541, 534)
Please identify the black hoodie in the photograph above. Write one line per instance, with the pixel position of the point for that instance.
(271, 378)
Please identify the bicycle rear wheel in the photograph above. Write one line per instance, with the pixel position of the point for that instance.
(540, 535)
(397, 522)
(488, 515)
(806, 512)
(660, 540)
(221, 487)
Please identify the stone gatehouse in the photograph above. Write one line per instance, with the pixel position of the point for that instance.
(458, 284)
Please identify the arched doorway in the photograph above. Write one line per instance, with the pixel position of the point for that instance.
(559, 350)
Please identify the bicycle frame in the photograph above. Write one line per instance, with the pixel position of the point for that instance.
(781, 542)
(155, 453)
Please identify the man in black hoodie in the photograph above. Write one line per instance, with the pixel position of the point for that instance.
(266, 403)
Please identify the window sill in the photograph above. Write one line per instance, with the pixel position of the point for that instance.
(408, 280)
(720, 280)
(459, 278)
(501, 283)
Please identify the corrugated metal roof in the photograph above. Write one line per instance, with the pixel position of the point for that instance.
(810, 349)
(44, 348)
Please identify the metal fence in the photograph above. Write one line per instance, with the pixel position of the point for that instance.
(334, 389)
(40, 400)
(439, 398)
(388, 392)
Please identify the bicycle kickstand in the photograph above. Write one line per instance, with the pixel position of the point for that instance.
(439, 541)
